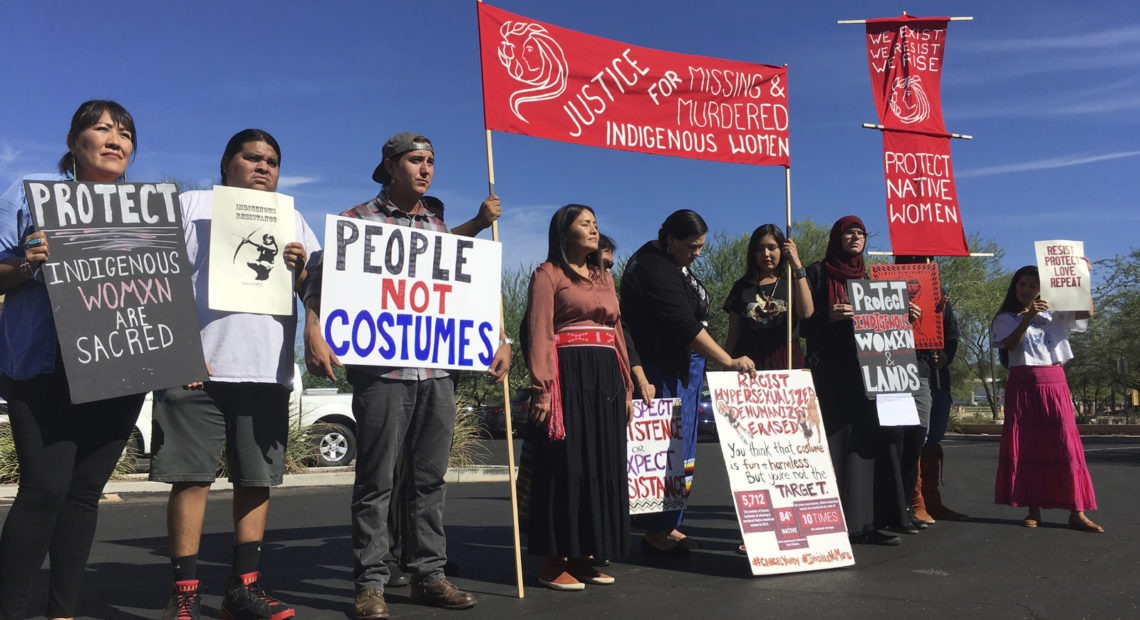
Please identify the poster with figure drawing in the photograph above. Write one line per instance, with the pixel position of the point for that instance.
(119, 285)
(779, 469)
(248, 233)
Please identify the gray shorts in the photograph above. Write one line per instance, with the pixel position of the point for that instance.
(190, 427)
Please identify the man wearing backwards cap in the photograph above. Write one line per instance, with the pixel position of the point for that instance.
(408, 411)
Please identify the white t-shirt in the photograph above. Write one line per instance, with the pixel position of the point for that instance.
(1046, 342)
(239, 347)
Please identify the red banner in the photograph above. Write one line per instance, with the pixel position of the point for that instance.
(905, 57)
(922, 204)
(549, 82)
(924, 288)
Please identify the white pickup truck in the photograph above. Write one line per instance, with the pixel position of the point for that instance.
(335, 437)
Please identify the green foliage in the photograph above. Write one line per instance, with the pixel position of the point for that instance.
(311, 381)
(472, 388)
(466, 442)
(976, 286)
(1107, 357)
(9, 466)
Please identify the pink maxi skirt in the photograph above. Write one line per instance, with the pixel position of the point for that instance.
(1041, 463)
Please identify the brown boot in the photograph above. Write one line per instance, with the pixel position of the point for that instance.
(370, 605)
(917, 503)
(930, 471)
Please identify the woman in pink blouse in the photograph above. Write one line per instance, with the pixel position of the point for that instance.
(579, 501)
(1041, 463)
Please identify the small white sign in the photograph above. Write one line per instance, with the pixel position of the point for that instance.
(897, 410)
(1064, 275)
(248, 233)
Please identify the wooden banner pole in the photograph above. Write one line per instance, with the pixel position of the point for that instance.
(512, 474)
(788, 264)
(960, 136)
(863, 21)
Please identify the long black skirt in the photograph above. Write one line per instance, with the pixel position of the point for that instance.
(579, 496)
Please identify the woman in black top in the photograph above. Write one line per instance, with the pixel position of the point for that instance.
(850, 418)
(665, 308)
(757, 306)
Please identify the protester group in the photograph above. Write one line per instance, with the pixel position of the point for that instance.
(591, 350)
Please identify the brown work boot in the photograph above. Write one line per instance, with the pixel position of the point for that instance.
(370, 605)
(442, 593)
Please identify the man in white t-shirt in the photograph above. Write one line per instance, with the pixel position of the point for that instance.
(243, 406)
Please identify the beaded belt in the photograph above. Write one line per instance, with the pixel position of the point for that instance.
(586, 337)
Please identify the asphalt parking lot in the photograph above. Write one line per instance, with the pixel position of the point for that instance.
(988, 566)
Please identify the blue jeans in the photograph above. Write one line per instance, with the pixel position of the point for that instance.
(939, 415)
(670, 386)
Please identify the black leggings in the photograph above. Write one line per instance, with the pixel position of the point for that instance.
(66, 454)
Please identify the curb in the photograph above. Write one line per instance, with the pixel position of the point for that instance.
(315, 477)
(1085, 430)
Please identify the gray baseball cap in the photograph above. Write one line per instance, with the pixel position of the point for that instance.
(397, 145)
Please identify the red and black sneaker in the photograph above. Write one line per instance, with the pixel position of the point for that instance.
(184, 603)
(245, 600)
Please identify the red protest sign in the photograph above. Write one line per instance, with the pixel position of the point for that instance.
(550, 82)
(922, 203)
(924, 288)
(905, 58)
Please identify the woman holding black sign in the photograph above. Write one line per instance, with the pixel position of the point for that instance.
(579, 497)
(854, 435)
(66, 452)
(1041, 463)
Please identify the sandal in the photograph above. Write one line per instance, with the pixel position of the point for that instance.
(1081, 523)
(1034, 518)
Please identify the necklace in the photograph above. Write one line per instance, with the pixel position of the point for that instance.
(767, 296)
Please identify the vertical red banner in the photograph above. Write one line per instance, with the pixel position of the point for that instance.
(922, 203)
(905, 58)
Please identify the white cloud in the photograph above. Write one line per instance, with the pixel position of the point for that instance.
(1114, 38)
(289, 181)
(8, 156)
(1063, 161)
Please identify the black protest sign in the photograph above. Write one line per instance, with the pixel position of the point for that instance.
(884, 339)
(119, 284)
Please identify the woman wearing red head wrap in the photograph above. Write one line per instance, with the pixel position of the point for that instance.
(853, 432)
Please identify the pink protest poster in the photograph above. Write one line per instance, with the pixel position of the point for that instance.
(779, 469)
(656, 457)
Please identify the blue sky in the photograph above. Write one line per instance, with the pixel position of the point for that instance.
(1050, 91)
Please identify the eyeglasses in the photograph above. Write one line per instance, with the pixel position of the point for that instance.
(855, 232)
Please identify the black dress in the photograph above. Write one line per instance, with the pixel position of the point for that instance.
(850, 418)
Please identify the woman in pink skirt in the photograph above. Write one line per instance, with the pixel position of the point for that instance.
(1042, 463)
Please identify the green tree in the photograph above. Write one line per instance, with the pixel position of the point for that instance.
(472, 387)
(976, 286)
(1106, 356)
